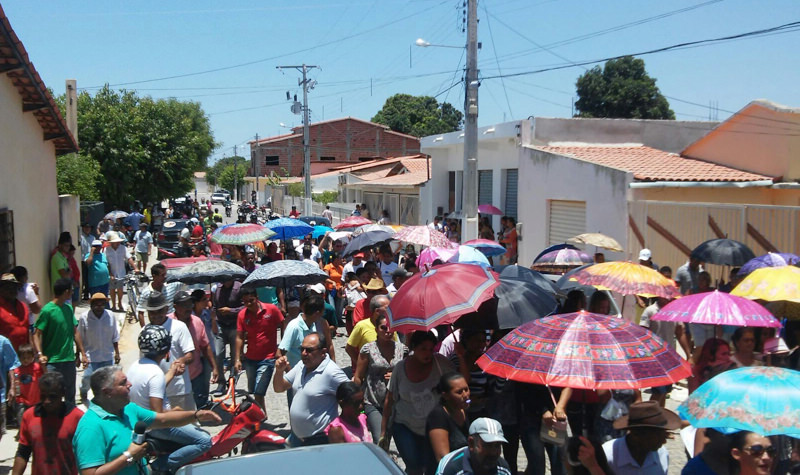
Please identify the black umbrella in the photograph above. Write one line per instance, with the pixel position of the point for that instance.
(529, 275)
(724, 252)
(207, 272)
(286, 273)
(520, 301)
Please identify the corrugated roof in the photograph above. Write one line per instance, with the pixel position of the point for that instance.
(36, 99)
(649, 164)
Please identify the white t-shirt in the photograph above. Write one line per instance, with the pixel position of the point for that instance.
(386, 271)
(181, 344)
(116, 260)
(350, 267)
(147, 380)
(27, 295)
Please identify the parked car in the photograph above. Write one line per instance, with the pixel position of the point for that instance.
(224, 192)
(218, 197)
(315, 220)
(167, 239)
(350, 459)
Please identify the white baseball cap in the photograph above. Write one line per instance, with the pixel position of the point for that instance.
(645, 255)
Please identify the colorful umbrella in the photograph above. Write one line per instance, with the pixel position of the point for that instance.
(627, 278)
(489, 209)
(207, 272)
(288, 228)
(725, 252)
(320, 231)
(285, 273)
(717, 308)
(424, 236)
(554, 247)
(584, 351)
(561, 260)
(597, 240)
(520, 301)
(241, 234)
(431, 254)
(771, 284)
(488, 247)
(352, 222)
(469, 255)
(439, 296)
(115, 215)
(761, 399)
(770, 259)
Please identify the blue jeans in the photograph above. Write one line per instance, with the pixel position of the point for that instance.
(201, 385)
(87, 374)
(415, 450)
(259, 374)
(535, 450)
(67, 369)
(195, 442)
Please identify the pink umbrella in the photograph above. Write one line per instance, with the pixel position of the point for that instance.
(352, 222)
(424, 236)
(430, 254)
(489, 209)
(717, 308)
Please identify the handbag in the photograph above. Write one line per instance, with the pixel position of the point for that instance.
(554, 431)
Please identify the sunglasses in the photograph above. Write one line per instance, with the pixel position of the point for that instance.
(758, 450)
(305, 349)
(383, 328)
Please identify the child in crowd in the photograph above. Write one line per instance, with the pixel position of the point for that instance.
(26, 380)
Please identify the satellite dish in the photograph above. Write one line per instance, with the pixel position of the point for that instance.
(296, 108)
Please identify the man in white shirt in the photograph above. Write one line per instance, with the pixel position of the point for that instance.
(100, 336)
(179, 390)
(116, 255)
(642, 450)
(144, 244)
(386, 264)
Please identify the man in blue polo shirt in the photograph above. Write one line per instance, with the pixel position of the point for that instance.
(103, 436)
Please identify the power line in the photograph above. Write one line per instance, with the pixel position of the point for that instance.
(494, 48)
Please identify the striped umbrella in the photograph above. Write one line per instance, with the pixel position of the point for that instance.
(424, 236)
(584, 351)
(627, 278)
(241, 234)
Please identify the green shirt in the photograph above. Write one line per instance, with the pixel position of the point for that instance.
(57, 262)
(102, 437)
(57, 323)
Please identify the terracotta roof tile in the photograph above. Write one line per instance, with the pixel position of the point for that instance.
(649, 164)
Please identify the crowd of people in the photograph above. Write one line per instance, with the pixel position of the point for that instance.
(423, 390)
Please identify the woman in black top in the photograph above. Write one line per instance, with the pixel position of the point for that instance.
(447, 425)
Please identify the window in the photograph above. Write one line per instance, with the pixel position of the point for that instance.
(272, 160)
(328, 159)
(8, 257)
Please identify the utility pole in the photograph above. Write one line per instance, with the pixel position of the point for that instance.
(307, 86)
(469, 186)
(72, 107)
(256, 165)
(235, 175)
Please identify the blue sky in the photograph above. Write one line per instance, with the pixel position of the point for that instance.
(365, 52)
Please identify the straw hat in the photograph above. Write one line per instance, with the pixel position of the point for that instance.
(375, 284)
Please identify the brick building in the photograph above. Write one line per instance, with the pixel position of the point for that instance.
(333, 143)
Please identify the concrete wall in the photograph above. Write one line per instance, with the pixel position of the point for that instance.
(761, 195)
(28, 188)
(544, 176)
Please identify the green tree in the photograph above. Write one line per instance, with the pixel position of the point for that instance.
(78, 175)
(622, 89)
(215, 170)
(325, 197)
(147, 149)
(298, 189)
(227, 178)
(418, 115)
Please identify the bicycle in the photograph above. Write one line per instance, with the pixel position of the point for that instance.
(133, 283)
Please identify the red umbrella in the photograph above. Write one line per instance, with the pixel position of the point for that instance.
(352, 222)
(584, 351)
(440, 296)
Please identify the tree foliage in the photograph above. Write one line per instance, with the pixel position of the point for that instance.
(227, 178)
(78, 175)
(418, 115)
(325, 197)
(147, 149)
(622, 89)
(215, 170)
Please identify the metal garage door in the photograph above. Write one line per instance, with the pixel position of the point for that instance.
(567, 219)
(484, 187)
(510, 205)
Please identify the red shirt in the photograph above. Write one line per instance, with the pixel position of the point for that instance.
(261, 329)
(14, 322)
(50, 439)
(361, 310)
(27, 381)
(294, 213)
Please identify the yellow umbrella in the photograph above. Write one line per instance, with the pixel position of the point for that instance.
(627, 278)
(771, 284)
(597, 240)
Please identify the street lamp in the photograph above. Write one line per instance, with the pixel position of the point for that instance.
(424, 44)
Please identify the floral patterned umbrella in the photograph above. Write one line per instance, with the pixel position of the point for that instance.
(771, 284)
(627, 278)
(584, 351)
(424, 236)
(241, 234)
(352, 222)
(717, 308)
(761, 399)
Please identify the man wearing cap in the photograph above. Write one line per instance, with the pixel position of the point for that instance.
(59, 260)
(14, 323)
(365, 331)
(97, 274)
(481, 456)
(144, 244)
(182, 351)
(354, 265)
(116, 255)
(399, 276)
(100, 336)
(374, 288)
(646, 259)
(642, 450)
(57, 334)
(203, 354)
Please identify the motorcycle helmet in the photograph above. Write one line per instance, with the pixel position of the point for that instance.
(154, 341)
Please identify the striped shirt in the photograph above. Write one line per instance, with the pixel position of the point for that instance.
(169, 291)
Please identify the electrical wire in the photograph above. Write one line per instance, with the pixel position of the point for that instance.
(494, 48)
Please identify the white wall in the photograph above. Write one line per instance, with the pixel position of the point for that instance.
(28, 186)
(544, 176)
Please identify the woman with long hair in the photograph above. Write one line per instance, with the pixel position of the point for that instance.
(447, 424)
(715, 357)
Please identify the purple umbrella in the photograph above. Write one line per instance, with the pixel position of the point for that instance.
(561, 260)
(770, 259)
